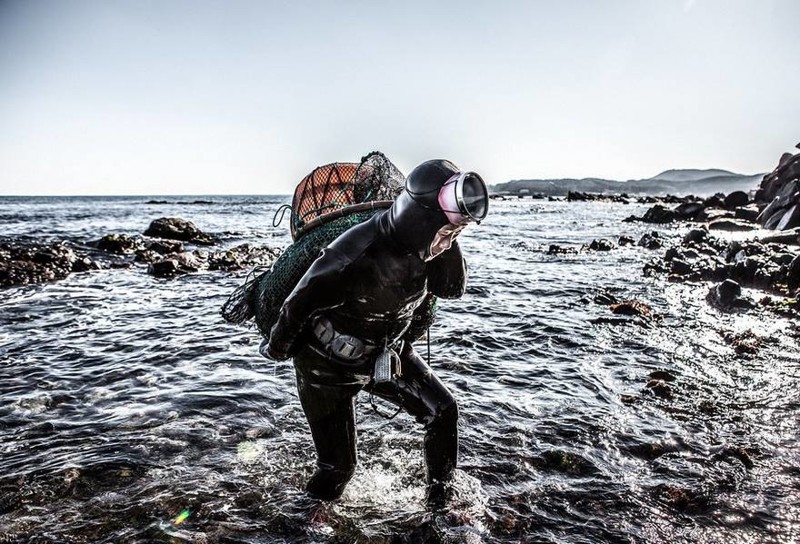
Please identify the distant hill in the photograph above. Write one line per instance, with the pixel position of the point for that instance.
(692, 174)
(676, 182)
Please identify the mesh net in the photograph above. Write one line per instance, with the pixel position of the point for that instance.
(333, 190)
(329, 201)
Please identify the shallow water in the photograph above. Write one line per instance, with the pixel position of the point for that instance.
(126, 400)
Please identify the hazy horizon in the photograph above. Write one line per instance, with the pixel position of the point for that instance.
(246, 97)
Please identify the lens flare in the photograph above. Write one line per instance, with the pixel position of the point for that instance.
(183, 516)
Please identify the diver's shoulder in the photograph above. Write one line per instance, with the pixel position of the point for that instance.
(356, 240)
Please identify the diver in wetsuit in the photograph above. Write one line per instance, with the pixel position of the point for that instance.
(343, 324)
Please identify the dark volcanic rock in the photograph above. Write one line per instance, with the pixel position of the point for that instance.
(120, 244)
(601, 245)
(632, 307)
(695, 236)
(165, 247)
(175, 228)
(651, 240)
(780, 190)
(659, 388)
(730, 225)
(736, 199)
(237, 258)
(716, 201)
(659, 214)
(556, 249)
(691, 211)
(747, 213)
(165, 267)
(793, 274)
(680, 267)
(26, 263)
(626, 241)
(727, 295)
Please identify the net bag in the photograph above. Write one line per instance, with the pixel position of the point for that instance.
(326, 203)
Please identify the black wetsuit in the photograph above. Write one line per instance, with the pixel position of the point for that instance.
(368, 283)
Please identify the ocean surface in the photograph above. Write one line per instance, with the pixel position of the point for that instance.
(131, 412)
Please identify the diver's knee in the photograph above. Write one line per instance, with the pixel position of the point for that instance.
(444, 415)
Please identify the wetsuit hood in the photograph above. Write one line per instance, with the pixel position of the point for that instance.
(415, 215)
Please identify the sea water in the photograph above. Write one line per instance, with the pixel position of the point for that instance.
(131, 412)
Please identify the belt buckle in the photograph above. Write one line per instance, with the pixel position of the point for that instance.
(347, 347)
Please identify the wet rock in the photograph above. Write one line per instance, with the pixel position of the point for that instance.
(236, 258)
(651, 240)
(175, 228)
(716, 201)
(164, 268)
(605, 298)
(556, 249)
(680, 267)
(165, 247)
(728, 291)
(780, 190)
(659, 388)
(744, 270)
(659, 214)
(120, 244)
(628, 399)
(681, 499)
(790, 237)
(601, 245)
(741, 453)
(730, 225)
(662, 375)
(27, 263)
(793, 274)
(690, 211)
(695, 236)
(625, 241)
(84, 264)
(736, 199)
(147, 256)
(242, 257)
(632, 307)
(566, 462)
(744, 343)
(747, 213)
(727, 295)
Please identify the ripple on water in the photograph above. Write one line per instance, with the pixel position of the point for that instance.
(127, 402)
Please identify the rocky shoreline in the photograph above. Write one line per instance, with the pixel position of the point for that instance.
(769, 263)
(168, 248)
(172, 246)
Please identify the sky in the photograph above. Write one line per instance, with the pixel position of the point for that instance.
(246, 97)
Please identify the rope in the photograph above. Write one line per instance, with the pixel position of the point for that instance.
(375, 408)
(282, 211)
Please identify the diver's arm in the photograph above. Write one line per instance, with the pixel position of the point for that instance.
(319, 289)
(447, 273)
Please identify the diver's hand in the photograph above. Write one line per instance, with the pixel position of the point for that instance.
(270, 351)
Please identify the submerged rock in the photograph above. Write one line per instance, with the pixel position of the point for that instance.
(632, 307)
(556, 249)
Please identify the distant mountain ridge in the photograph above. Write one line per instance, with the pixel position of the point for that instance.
(676, 181)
